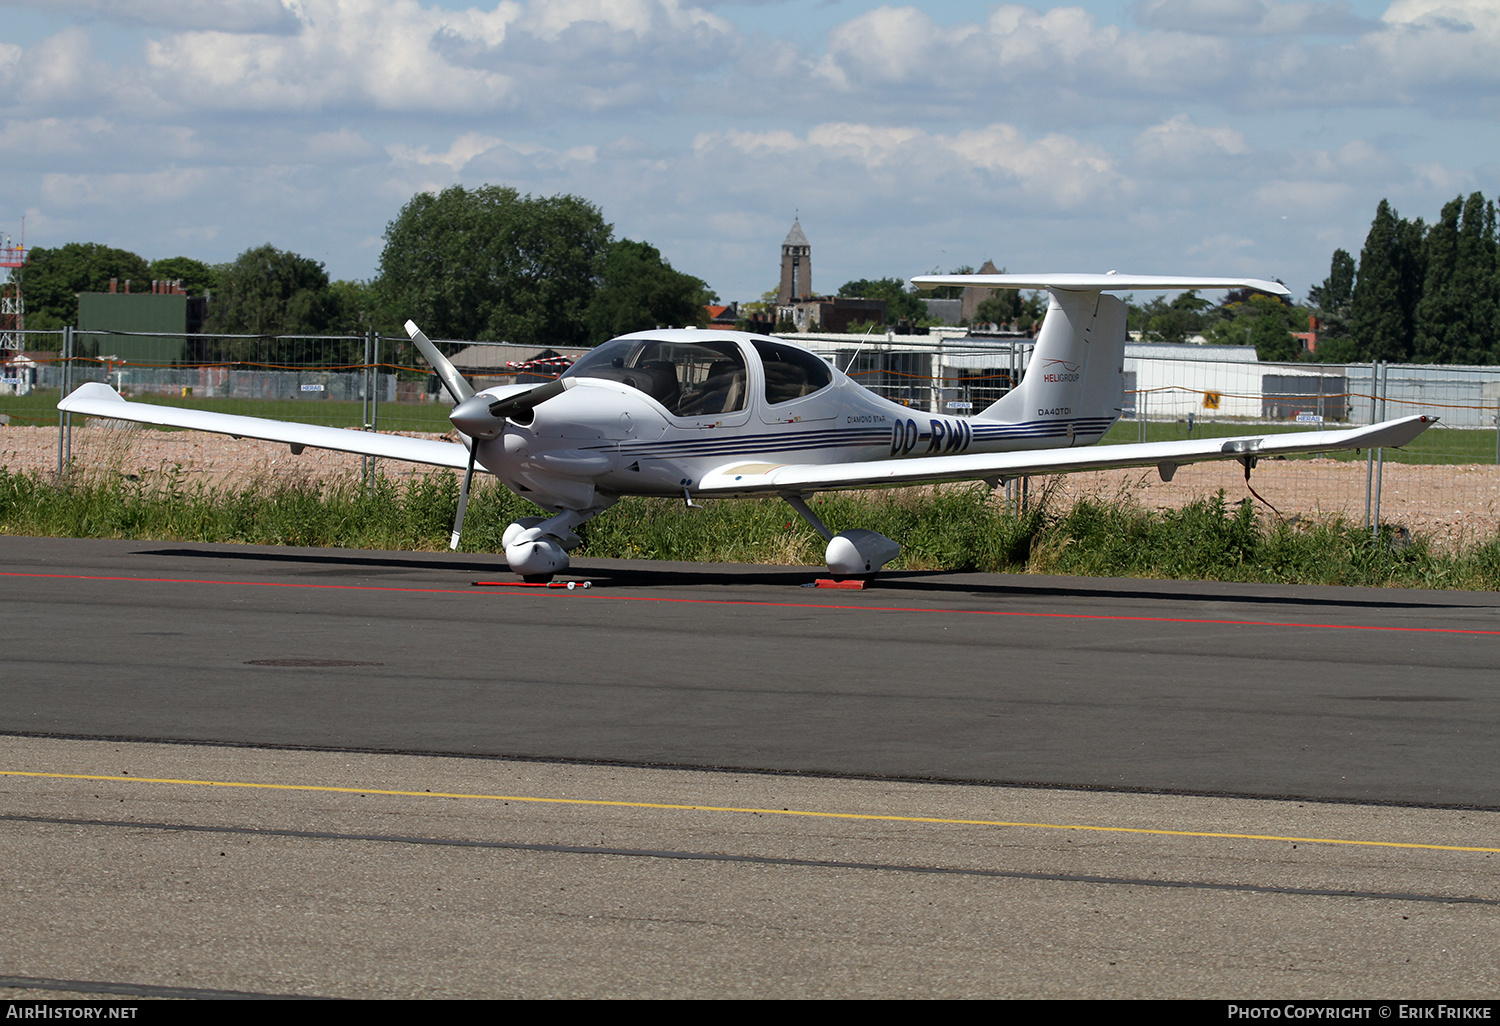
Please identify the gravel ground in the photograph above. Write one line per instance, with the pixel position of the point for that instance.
(1446, 504)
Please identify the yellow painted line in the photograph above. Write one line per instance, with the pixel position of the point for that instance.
(879, 818)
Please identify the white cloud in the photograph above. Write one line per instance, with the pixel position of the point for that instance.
(356, 53)
(476, 152)
(1057, 169)
(309, 56)
(1256, 17)
(54, 70)
(223, 15)
(342, 146)
(1301, 197)
(166, 186)
(552, 19)
(1020, 48)
(1179, 139)
(464, 149)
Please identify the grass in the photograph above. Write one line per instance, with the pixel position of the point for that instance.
(959, 529)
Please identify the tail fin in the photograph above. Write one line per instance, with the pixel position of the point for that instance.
(1075, 384)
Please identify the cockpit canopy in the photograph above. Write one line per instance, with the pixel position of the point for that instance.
(698, 379)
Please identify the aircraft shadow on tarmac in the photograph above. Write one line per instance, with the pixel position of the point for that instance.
(683, 575)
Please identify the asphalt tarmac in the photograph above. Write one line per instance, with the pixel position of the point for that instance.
(708, 781)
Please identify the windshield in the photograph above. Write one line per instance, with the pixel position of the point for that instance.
(691, 379)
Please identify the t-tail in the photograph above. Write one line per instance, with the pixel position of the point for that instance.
(1074, 387)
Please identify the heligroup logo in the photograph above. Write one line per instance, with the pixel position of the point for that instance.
(1060, 370)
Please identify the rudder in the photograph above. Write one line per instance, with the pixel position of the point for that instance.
(1076, 376)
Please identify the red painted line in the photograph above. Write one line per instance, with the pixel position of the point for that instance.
(778, 605)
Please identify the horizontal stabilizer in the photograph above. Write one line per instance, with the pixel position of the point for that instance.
(1096, 282)
(99, 400)
(758, 478)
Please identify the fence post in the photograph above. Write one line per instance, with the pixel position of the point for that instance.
(1370, 453)
(374, 394)
(65, 420)
(364, 411)
(1379, 453)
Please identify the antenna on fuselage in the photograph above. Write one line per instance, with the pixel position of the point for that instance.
(857, 348)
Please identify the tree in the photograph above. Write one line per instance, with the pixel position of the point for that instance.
(492, 264)
(1455, 319)
(52, 279)
(638, 290)
(197, 277)
(1383, 303)
(1265, 322)
(1176, 321)
(1010, 306)
(270, 293)
(358, 308)
(267, 291)
(1330, 302)
(900, 305)
(951, 291)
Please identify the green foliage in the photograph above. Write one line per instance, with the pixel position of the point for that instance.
(359, 307)
(197, 277)
(1331, 302)
(1262, 321)
(1382, 307)
(940, 529)
(1177, 321)
(1420, 294)
(52, 279)
(1455, 318)
(951, 291)
(640, 290)
(1012, 307)
(491, 264)
(900, 303)
(1340, 349)
(270, 292)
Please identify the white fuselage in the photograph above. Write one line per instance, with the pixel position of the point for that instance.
(604, 438)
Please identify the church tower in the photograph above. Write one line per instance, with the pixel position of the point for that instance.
(796, 267)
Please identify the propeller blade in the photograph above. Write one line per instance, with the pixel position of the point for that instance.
(463, 500)
(452, 380)
(512, 405)
(483, 416)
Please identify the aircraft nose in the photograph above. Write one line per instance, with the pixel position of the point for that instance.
(473, 418)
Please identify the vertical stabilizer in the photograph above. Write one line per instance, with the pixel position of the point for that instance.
(1074, 387)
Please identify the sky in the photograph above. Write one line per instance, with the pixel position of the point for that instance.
(1213, 137)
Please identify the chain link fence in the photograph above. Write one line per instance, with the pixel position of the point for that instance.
(1445, 484)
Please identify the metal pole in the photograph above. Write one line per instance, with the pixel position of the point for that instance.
(1370, 453)
(65, 442)
(364, 412)
(62, 385)
(1497, 430)
(374, 396)
(1380, 453)
(937, 378)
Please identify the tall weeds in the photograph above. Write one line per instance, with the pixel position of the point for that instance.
(939, 528)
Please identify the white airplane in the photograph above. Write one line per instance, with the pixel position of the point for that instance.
(690, 413)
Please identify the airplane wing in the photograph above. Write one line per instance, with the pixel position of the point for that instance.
(99, 400)
(1096, 282)
(761, 477)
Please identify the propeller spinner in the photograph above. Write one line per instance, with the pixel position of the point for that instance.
(480, 417)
